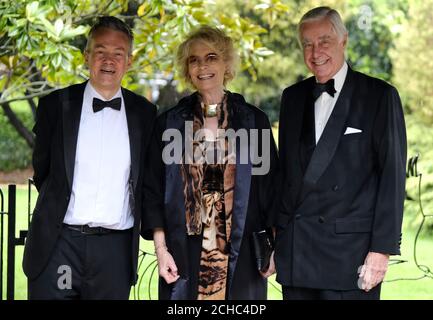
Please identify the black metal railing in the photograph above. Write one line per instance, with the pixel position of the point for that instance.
(144, 270)
(12, 242)
(426, 271)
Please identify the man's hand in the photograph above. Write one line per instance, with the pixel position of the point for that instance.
(373, 271)
(271, 269)
(166, 266)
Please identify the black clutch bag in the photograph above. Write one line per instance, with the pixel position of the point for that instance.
(263, 245)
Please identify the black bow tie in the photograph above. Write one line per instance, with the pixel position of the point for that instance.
(328, 87)
(98, 104)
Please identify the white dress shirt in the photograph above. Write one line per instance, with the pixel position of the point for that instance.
(324, 105)
(100, 189)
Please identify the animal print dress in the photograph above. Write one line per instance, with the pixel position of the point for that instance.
(208, 191)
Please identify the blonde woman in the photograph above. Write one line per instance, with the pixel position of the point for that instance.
(202, 212)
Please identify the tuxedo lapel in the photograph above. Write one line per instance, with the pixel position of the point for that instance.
(71, 100)
(135, 127)
(300, 142)
(327, 145)
(308, 134)
(242, 118)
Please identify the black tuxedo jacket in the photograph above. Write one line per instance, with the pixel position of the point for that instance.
(344, 196)
(56, 129)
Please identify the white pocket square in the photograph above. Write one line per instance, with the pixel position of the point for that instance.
(350, 130)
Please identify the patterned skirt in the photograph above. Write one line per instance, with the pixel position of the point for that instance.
(214, 258)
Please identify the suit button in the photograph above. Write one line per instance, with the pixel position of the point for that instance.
(298, 216)
(67, 198)
(335, 188)
(321, 219)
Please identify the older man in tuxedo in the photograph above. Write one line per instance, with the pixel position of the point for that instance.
(91, 141)
(343, 154)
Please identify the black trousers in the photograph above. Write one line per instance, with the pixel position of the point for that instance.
(294, 293)
(88, 267)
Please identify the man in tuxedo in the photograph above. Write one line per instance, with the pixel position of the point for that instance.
(91, 141)
(343, 154)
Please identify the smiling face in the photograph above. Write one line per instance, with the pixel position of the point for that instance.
(206, 68)
(323, 49)
(108, 60)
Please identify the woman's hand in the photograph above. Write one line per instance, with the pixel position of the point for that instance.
(271, 268)
(166, 266)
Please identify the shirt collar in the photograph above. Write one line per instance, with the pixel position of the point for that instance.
(340, 76)
(92, 93)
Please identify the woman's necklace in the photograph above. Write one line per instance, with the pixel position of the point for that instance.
(211, 110)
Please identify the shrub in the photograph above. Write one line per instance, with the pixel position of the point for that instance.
(14, 151)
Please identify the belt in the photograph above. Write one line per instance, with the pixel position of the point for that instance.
(85, 229)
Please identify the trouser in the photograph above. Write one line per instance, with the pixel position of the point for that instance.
(86, 266)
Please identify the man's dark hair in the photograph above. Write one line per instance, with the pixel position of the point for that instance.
(113, 23)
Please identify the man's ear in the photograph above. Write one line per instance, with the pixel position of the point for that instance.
(86, 57)
(345, 38)
(130, 60)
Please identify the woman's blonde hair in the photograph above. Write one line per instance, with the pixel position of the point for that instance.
(217, 40)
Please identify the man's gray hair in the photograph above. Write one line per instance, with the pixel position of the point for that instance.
(320, 13)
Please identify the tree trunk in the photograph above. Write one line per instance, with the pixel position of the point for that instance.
(32, 105)
(18, 125)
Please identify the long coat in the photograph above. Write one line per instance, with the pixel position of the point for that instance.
(348, 199)
(56, 129)
(252, 205)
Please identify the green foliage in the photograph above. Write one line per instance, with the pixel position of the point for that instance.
(372, 32)
(413, 59)
(368, 48)
(14, 152)
(42, 41)
(280, 69)
(420, 141)
(35, 41)
(410, 288)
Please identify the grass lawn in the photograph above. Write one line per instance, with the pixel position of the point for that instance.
(401, 289)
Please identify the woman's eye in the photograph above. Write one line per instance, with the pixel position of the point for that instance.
(212, 57)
